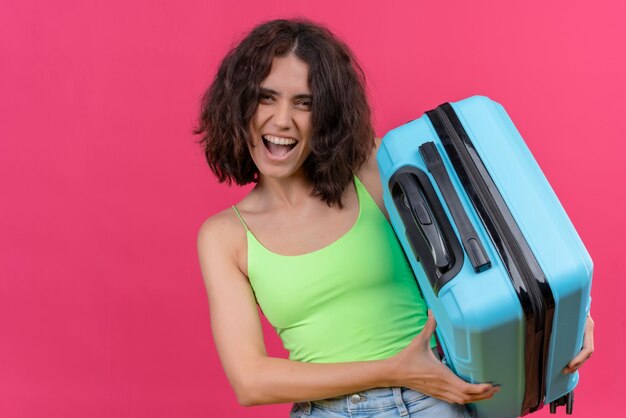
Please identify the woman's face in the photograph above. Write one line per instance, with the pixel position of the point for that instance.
(281, 126)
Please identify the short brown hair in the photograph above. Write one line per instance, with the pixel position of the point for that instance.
(342, 137)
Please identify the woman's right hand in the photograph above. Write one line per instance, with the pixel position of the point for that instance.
(416, 367)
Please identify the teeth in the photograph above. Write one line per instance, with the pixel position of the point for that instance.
(278, 140)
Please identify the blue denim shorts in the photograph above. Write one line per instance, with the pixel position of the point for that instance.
(380, 403)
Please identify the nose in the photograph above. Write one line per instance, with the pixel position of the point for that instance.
(282, 116)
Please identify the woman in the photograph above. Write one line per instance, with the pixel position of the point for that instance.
(311, 243)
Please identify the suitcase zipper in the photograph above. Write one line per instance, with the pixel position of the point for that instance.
(524, 271)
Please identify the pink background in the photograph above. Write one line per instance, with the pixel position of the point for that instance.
(103, 312)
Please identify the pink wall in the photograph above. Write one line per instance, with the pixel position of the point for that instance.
(102, 189)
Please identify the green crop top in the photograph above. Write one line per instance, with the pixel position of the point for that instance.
(353, 300)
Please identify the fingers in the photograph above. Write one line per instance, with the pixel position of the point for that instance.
(461, 397)
(440, 382)
(429, 328)
(478, 389)
(588, 339)
(586, 351)
(485, 395)
(471, 392)
(578, 361)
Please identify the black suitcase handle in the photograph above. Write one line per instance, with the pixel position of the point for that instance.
(428, 229)
(423, 217)
(471, 241)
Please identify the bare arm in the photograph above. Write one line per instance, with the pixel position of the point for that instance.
(260, 379)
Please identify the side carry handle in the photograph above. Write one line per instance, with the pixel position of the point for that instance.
(423, 217)
(428, 229)
(471, 241)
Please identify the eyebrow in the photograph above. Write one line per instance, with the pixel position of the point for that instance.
(275, 93)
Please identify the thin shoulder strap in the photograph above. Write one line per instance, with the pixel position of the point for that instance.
(357, 180)
(359, 186)
(241, 219)
(366, 199)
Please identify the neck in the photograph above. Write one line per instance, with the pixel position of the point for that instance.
(292, 191)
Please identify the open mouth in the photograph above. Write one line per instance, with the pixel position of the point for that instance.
(279, 146)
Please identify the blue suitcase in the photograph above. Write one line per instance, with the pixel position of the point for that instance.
(495, 255)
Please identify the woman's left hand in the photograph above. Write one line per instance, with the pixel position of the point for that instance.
(587, 350)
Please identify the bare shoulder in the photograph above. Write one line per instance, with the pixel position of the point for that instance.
(222, 236)
(218, 227)
(370, 176)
